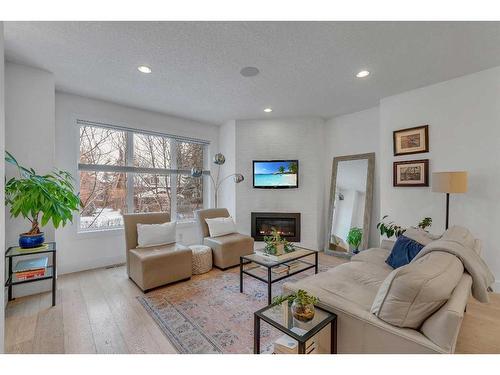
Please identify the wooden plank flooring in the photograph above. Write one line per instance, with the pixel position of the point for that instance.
(97, 312)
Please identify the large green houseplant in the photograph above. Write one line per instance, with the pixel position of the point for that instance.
(40, 199)
(390, 228)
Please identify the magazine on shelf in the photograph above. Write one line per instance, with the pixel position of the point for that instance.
(31, 264)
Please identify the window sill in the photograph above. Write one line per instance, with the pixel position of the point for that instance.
(99, 232)
(119, 230)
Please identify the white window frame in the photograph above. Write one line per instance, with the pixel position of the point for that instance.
(129, 169)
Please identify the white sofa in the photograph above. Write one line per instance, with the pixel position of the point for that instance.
(349, 290)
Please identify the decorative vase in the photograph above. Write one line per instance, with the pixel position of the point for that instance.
(355, 251)
(303, 313)
(28, 241)
(280, 249)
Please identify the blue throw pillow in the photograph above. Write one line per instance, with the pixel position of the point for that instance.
(403, 251)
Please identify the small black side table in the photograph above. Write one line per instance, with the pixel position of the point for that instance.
(275, 316)
(50, 271)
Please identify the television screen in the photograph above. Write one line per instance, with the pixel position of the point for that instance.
(276, 174)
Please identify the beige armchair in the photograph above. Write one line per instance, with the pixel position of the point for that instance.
(151, 267)
(226, 249)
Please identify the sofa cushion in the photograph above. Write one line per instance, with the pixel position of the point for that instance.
(410, 294)
(228, 249)
(408, 246)
(156, 234)
(403, 251)
(221, 226)
(353, 284)
(375, 256)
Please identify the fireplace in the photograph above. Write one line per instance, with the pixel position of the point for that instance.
(287, 224)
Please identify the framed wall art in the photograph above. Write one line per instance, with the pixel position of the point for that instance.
(411, 173)
(411, 140)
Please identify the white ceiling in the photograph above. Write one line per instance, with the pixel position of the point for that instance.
(307, 68)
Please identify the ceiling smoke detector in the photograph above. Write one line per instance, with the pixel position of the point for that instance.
(249, 71)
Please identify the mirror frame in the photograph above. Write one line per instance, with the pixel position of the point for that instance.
(368, 199)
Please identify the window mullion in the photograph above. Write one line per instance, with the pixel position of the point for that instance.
(130, 176)
(173, 180)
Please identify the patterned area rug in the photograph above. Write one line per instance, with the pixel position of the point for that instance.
(208, 314)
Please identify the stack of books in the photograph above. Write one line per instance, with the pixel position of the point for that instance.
(285, 268)
(31, 268)
(288, 345)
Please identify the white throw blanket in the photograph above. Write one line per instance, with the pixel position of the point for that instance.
(459, 242)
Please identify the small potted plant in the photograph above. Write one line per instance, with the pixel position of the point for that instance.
(40, 199)
(275, 245)
(301, 304)
(354, 238)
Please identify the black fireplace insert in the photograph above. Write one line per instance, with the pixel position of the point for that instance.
(287, 225)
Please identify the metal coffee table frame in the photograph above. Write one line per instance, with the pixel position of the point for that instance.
(270, 264)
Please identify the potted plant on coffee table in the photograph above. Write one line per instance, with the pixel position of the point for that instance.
(276, 245)
(301, 304)
(40, 200)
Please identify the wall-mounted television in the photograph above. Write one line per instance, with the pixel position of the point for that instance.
(275, 174)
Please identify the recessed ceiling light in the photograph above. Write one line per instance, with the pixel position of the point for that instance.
(363, 74)
(144, 69)
(249, 71)
(267, 110)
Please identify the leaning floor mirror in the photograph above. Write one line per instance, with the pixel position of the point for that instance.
(351, 195)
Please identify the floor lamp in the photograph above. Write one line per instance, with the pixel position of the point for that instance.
(449, 183)
(219, 159)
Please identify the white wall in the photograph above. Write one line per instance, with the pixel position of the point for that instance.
(80, 251)
(356, 133)
(29, 129)
(29, 136)
(227, 145)
(464, 133)
(2, 198)
(283, 139)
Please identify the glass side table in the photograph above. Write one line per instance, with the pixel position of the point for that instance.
(50, 271)
(284, 322)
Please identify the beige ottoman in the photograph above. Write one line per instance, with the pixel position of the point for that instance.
(202, 259)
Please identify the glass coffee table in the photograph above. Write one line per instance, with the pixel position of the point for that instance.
(280, 317)
(269, 270)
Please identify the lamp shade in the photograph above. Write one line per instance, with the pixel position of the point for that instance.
(449, 182)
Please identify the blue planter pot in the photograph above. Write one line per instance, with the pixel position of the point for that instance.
(28, 241)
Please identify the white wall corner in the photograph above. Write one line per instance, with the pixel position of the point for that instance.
(227, 146)
(2, 200)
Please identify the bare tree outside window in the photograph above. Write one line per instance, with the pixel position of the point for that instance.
(102, 193)
(189, 189)
(151, 193)
(106, 186)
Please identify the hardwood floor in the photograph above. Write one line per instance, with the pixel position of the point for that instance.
(97, 312)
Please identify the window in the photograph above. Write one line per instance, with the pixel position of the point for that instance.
(123, 170)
